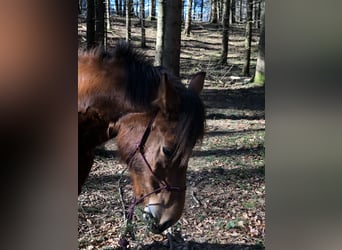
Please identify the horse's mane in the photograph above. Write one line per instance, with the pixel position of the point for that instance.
(190, 125)
(142, 84)
(142, 76)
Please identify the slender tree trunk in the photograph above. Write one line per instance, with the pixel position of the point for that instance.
(213, 17)
(257, 25)
(128, 20)
(241, 11)
(107, 15)
(90, 24)
(248, 39)
(100, 22)
(152, 10)
(259, 76)
(124, 8)
(193, 14)
(117, 7)
(232, 11)
(120, 10)
(225, 32)
(188, 19)
(142, 22)
(172, 36)
(160, 34)
(201, 14)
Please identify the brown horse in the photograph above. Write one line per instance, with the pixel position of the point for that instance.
(114, 85)
(157, 146)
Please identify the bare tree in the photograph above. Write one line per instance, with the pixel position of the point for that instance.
(259, 76)
(117, 7)
(160, 34)
(213, 12)
(225, 33)
(100, 22)
(90, 24)
(232, 11)
(188, 19)
(168, 40)
(107, 15)
(248, 39)
(152, 15)
(201, 13)
(142, 22)
(241, 10)
(128, 19)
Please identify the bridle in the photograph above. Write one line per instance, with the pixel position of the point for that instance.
(164, 185)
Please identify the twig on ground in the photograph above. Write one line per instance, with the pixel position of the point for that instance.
(193, 195)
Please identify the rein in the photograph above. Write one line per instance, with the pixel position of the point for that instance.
(123, 242)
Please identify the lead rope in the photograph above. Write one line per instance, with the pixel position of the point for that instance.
(123, 241)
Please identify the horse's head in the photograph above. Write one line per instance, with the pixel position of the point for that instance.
(157, 147)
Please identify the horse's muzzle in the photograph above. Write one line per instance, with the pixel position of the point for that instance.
(152, 216)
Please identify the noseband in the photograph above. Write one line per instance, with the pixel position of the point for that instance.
(164, 185)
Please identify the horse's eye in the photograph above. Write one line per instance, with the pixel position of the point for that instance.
(167, 152)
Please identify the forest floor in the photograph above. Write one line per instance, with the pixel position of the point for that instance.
(225, 197)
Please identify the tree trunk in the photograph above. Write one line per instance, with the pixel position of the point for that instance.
(107, 15)
(225, 34)
(142, 22)
(241, 10)
(153, 10)
(188, 19)
(201, 14)
(172, 36)
(124, 7)
(257, 25)
(100, 22)
(90, 24)
(160, 34)
(193, 14)
(248, 39)
(213, 16)
(259, 76)
(128, 19)
(117, 7)
(232, 11)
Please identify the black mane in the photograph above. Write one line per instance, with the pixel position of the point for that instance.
(142, 79)
(141, 88)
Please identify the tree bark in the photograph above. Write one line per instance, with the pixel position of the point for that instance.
(241, 10)
(107, 15)
(142, 22)
(117, 7)
(225, 33)
(160, 34)
(259, 76)
(152, 15)
(172, 36)
(213, 13)
(248, 39)
(100, 22)
(90, 24)
(128, 20)
(232, 11)
(188, 19)
(201, 14)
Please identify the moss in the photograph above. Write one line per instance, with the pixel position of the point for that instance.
(259, 78)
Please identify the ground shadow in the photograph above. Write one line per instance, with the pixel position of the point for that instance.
(251, 98)
(229, 152)
(202, 246)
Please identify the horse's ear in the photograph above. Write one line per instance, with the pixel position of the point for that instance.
(113, 129)
(168, 100)
(197, 82)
